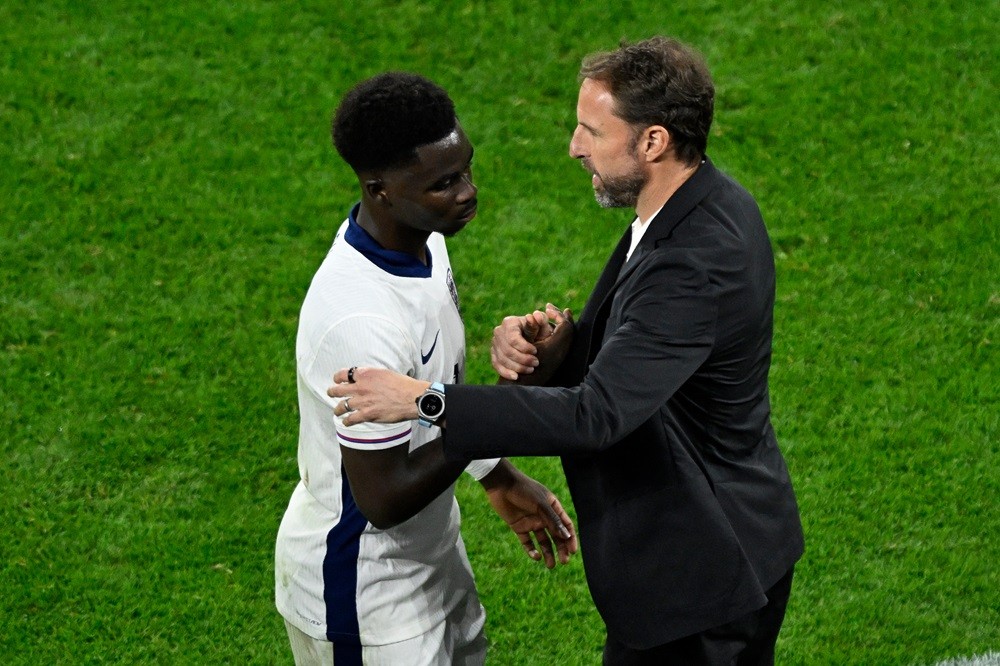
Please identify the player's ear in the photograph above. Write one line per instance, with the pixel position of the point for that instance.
(374, 188)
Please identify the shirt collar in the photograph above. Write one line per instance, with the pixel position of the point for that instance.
(638, 229)
(400, 264)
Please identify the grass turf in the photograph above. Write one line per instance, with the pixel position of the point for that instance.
(168, 188)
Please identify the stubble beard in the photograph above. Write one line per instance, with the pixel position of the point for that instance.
(621, 191)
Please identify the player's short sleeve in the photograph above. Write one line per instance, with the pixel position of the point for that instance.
(361, 340)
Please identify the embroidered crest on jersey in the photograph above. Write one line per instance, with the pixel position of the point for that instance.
(453, 290)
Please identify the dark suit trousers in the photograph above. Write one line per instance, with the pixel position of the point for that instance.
(746, 641)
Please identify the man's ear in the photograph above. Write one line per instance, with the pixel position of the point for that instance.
(655, 143)
(375, 189)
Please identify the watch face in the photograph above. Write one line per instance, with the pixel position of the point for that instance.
(431, 405)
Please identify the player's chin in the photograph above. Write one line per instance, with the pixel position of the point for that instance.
(459, 223)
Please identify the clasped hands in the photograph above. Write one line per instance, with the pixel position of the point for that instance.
(529, 348)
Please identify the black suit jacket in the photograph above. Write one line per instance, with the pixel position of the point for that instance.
(685, 508)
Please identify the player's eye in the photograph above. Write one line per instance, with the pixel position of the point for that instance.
(442, 185)
(453, 179)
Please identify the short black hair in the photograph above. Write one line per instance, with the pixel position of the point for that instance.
(383, 120)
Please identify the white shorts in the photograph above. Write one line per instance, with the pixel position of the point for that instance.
(459, 640)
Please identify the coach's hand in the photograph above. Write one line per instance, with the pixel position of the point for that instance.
(376, 395)
(528, 349)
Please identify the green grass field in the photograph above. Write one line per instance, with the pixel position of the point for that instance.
(167, 188)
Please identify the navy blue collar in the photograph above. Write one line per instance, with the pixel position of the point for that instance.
(401, 264)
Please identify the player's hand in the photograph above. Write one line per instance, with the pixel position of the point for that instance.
(535, 340)
(376, 395)
(533, 513)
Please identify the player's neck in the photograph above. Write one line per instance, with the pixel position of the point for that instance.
(392, 236)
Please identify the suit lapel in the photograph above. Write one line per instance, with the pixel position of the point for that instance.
(638, 254)
(578, 360)
(593, 320)
(677, 207)
(609, 276)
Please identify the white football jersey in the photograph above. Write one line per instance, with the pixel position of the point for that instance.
(336, 576)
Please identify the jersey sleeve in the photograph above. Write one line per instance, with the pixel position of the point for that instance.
(362, 340)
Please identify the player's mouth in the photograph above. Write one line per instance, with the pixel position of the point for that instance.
(469, 212)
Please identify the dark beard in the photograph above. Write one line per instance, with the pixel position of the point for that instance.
(621, 191)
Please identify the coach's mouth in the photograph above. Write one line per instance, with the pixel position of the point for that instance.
(595, 179)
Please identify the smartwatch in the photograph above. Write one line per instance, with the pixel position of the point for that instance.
(430, 405)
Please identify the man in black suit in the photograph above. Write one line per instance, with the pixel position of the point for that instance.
(657, 400)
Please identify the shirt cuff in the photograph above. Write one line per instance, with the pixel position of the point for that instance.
(477, 469)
